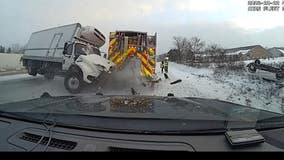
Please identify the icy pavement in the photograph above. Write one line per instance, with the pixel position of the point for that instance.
(15, 77)
(21, 87)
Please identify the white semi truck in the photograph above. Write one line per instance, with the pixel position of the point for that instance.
(70, 50)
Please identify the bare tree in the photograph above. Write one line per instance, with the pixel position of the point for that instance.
(196, 45)
(182, 46)
(216, 52)
(188, 48)
(181, 43)
(16, 48)
(213, 49)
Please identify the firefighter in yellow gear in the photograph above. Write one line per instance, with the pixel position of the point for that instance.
(166, 64)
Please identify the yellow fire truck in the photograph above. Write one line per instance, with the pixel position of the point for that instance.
(124, 45)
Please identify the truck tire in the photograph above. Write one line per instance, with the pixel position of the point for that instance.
(257, 62)
(279, 75)
(49, 75)
(32, 71)
(251, 68)
(73, 82)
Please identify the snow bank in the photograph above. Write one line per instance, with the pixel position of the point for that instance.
(15, 77)
(10, 62)
(238, 52)
(196, 82)
(232, 86)
(281, 50)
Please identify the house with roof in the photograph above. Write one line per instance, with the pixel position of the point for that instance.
(161, 57)
(249, 52)
(276, 52)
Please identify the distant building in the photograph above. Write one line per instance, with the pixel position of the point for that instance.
(276, 52)
(174, 55)
(161, 57)
(249, 52)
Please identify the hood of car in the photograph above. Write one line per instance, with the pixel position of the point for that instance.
(140, 107)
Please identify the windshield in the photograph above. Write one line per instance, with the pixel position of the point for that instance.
(82, 49)
(221, 62)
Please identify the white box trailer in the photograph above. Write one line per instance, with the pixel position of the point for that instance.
(71, 50)
(48, 45)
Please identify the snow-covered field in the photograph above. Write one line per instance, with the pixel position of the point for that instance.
(237, 87)
(10, 62)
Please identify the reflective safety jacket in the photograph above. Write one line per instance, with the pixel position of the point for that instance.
(166, 64)
(162, 64)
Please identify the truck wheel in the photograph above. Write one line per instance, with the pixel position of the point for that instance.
(257, 62)
(251, 68)
(279, 75)
(73, 82)
(49, 75)
(32, 71)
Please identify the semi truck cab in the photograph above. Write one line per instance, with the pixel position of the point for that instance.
(83, 61)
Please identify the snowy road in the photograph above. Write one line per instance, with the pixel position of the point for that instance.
(195, 83)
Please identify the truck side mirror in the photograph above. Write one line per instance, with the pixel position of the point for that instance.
(65, 45)
(65, 48)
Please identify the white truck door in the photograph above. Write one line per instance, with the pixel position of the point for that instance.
(54, 44)
(68, 58)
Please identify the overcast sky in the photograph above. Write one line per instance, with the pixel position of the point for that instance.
(225, 22)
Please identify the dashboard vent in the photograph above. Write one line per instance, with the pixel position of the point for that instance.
(54, 143)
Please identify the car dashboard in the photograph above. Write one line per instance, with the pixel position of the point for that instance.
(23, 136)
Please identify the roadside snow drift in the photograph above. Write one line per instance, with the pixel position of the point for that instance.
(10, 62)
(236, 87)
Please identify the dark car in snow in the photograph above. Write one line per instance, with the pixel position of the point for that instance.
(257, 65)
